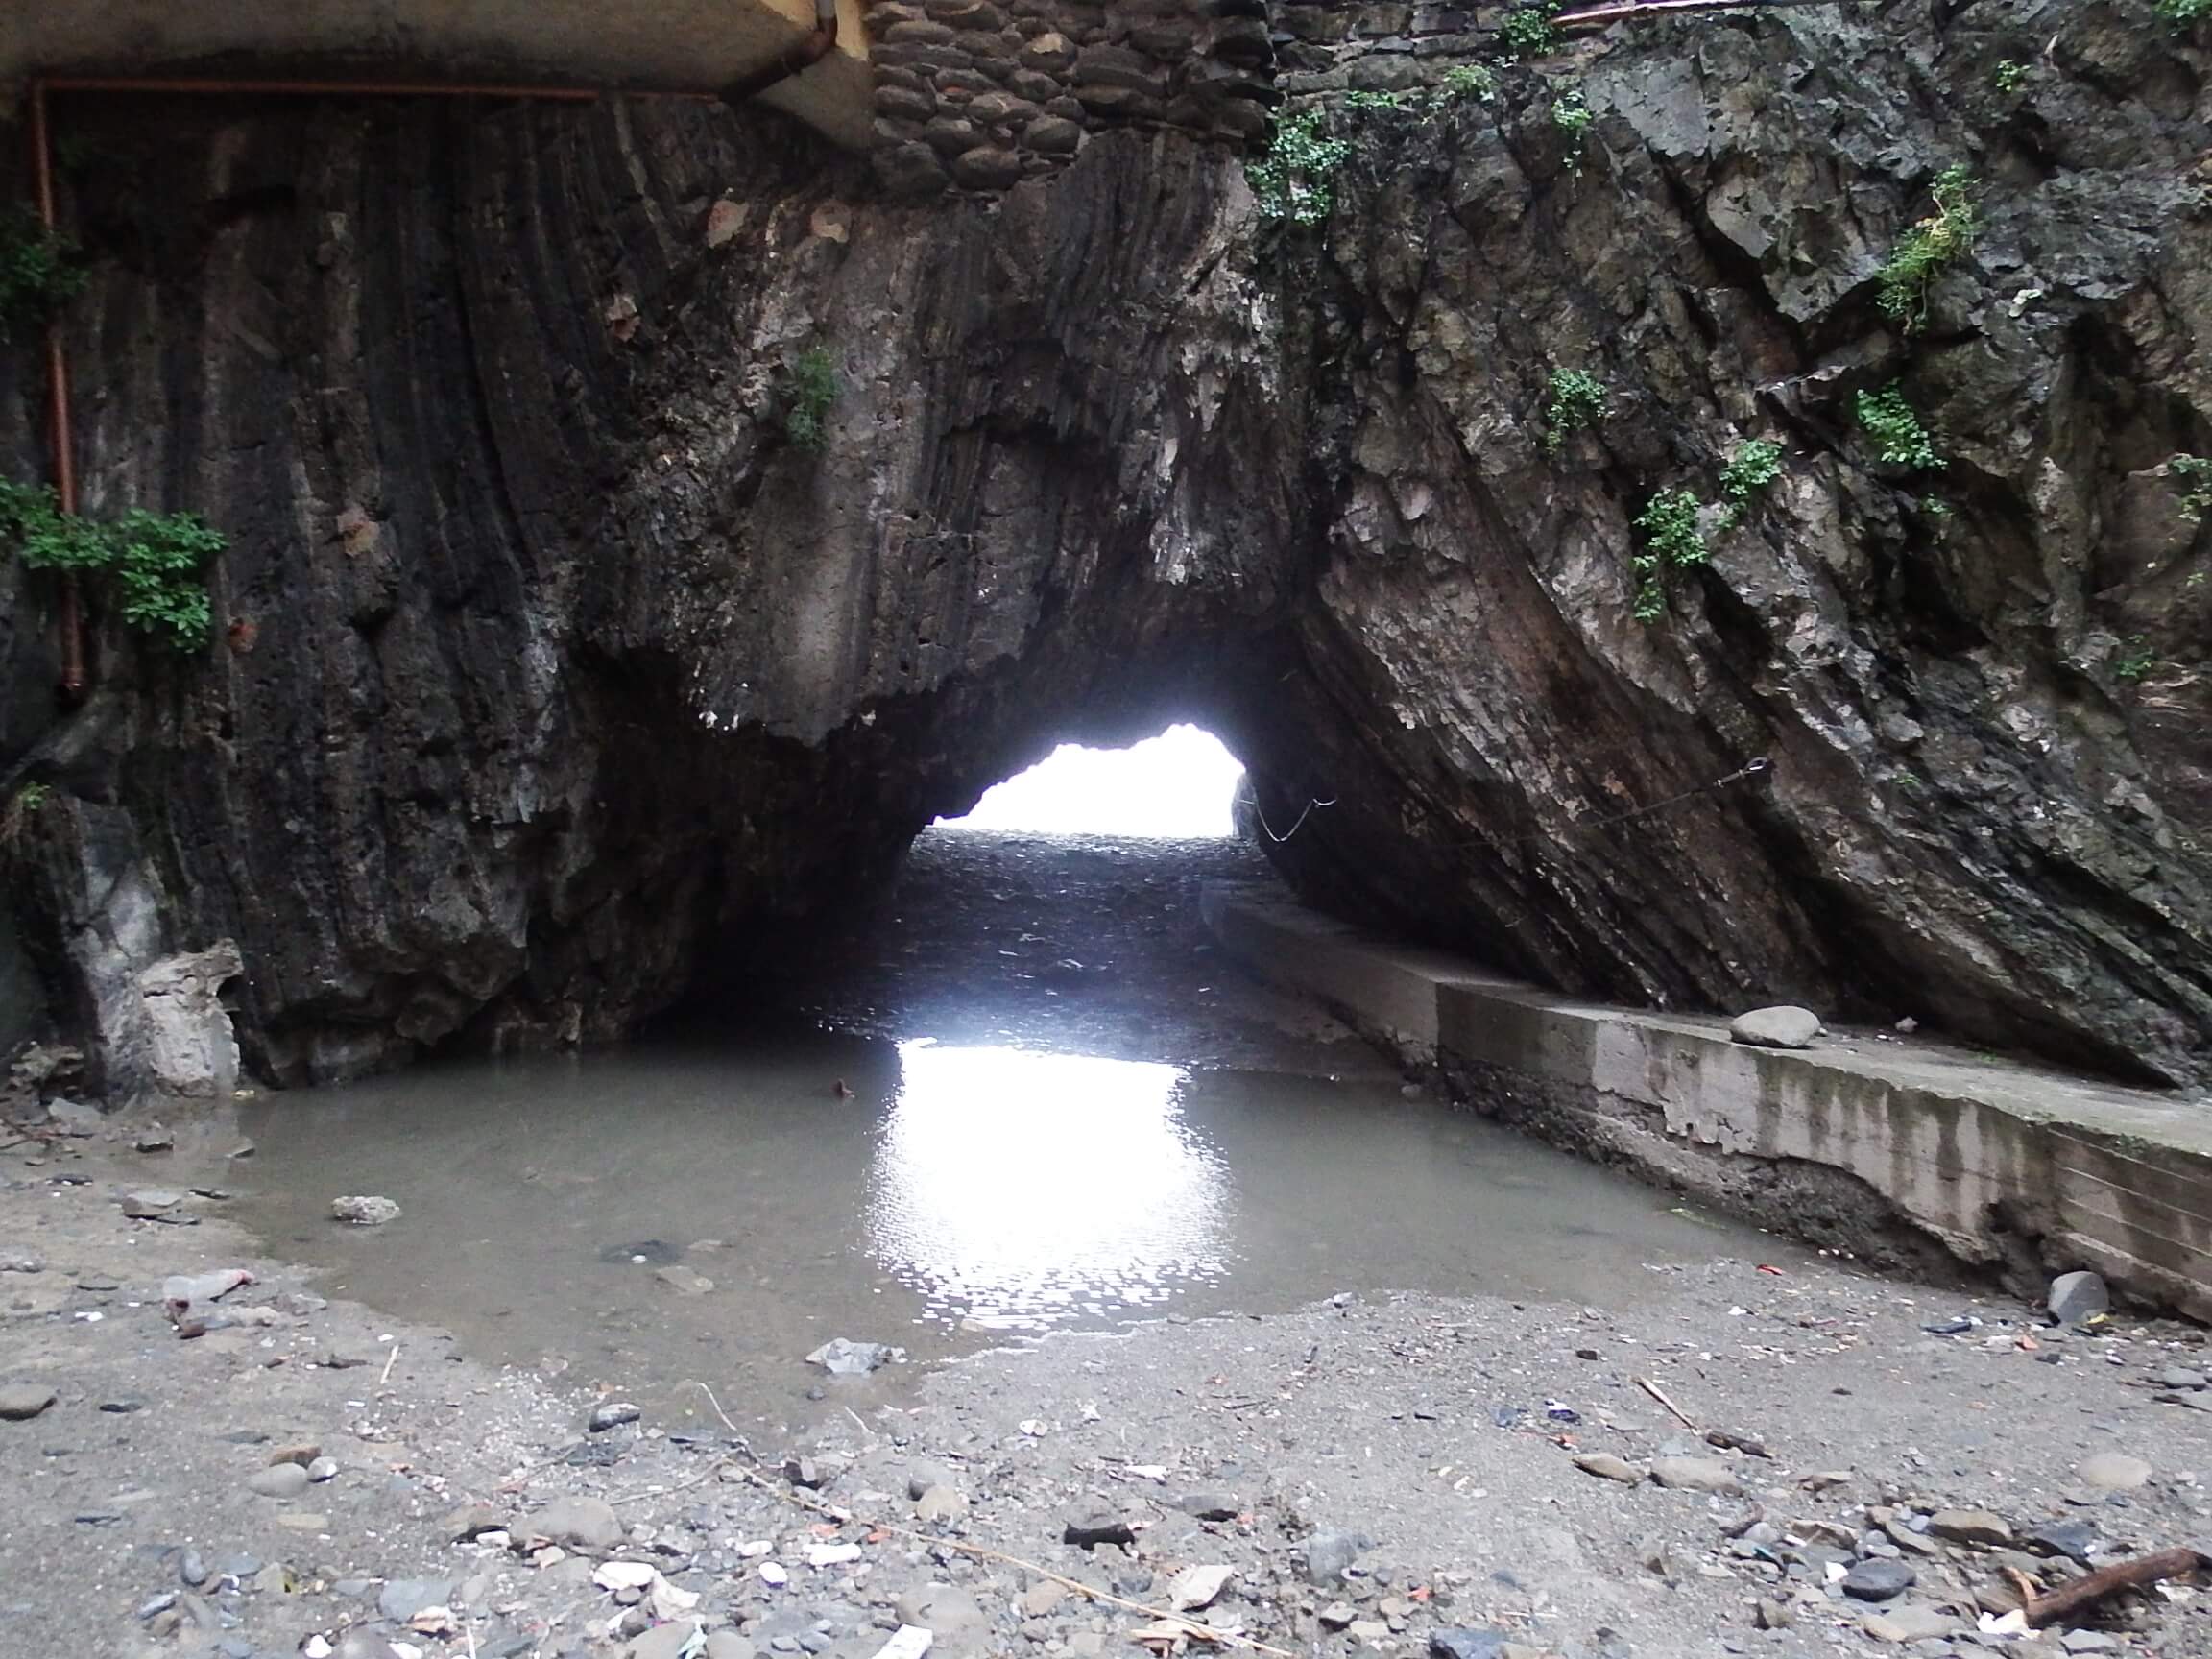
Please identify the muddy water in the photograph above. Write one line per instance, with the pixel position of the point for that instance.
(953, 1196)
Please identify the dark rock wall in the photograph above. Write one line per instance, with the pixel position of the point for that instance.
(551, 669)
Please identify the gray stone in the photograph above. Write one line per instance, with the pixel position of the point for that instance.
(940, 1506)
(75, 1117)
(281, 1480)
(729, 1645)
(663, 1640)
(20, 1402)
(2072, 1539)
(1609, 1467)
(1782, 1026)
(1328, 1555)
(1465, 1642)
(1970, 1526)
(905, 105)
(192, 1568)
(1908, 1623)
(986, 167)
(842, 1358)
(582, 1523)
(943, 1608)
(2114, 1472)
(2089, 1642)
(611, 1414)
(402, 1599)
(2077, 1296)
(1878, 1579)
(1336, 1615)
(1696, 1474)
(1052, 135)
(364, 1210)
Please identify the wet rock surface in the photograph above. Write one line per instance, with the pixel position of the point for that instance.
(639, 676)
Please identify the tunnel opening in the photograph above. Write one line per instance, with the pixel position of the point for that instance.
(1181, 783)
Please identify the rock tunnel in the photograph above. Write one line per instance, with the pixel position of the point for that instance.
(642, 518)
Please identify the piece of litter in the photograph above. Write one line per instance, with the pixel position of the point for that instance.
(831, 1555)
(909, 1642)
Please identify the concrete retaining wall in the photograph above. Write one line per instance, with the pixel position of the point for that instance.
(2003, 1163)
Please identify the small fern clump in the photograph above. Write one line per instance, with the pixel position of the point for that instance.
(2134, 659)
(1754, 467)
(1672, 538)
(151, 560)
(1295, 180)
(1941, 239)
(1899, 438)
(2182, 13)
(2010, 76)
(1574, 400)
(1528, 29)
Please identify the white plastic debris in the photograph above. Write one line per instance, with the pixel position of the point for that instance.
(624, 1575)
(772, 1575)
(831, 1555)
(910, 1642)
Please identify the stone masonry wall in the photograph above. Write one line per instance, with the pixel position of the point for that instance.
(977, 95)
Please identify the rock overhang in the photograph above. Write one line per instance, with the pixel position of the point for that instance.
(662, 46)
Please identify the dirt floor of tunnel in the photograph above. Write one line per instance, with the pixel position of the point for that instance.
(1369, 1469)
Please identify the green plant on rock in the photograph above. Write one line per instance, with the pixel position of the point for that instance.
(1357, 100)
(1754, 467)
(810, 391)
(1465, 81)
(1295, 180)
(1673, 539)
(1571, 114)
(38, 271)
(151, 560)
(1528, 29)
(2135, 660)
(2010, 76)
(1941, 239)
(1935, 507)
(1899, 438)
(1573, 401)
(2182, 13)
(2194, 474)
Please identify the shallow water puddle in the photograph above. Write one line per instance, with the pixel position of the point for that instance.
(635, 1219)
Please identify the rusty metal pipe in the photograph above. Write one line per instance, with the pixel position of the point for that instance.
(811, 50)
(58, 425)
(322, 88)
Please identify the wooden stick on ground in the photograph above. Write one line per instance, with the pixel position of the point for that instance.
(2093, 1587)
(1657, 1393)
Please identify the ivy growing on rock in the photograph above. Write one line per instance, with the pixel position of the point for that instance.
(1753, 468)
(810, 390)
(1894, 425)
(1295, 180)
(151, 562)
(1941, 239)
(1573, 400)
(1674, 539)
(1528, 29)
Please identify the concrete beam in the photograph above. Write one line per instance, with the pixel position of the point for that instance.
(1988, 1157)
(658, 45)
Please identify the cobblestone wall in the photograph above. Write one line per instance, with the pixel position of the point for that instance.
(977, 95)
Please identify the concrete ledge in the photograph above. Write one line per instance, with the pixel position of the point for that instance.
(2002, 1163)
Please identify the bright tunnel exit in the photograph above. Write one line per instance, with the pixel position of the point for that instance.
(1177, 784)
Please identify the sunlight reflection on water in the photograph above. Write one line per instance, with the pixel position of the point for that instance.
(1016, 1190)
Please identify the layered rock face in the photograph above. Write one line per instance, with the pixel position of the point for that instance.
(551, 669)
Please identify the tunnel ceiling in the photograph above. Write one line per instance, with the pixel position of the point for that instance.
(554, 664)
